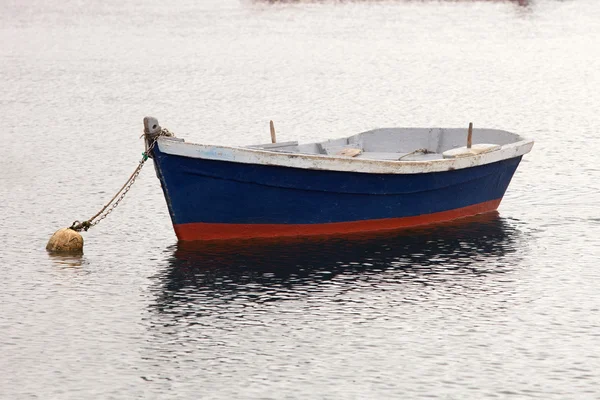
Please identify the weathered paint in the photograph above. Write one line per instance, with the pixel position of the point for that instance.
(470, 151)
(216, 231)
(339, 163)
(220, 192)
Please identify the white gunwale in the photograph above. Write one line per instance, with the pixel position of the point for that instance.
(332, 163)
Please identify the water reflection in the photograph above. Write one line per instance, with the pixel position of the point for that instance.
(67, 260)
(258, 271)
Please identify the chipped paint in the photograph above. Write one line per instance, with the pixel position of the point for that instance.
(510, 146)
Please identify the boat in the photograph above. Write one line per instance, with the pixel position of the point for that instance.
(381, 179)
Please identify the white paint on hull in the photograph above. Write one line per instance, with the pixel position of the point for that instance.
(400, 141)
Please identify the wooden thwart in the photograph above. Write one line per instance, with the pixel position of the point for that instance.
(349, 152)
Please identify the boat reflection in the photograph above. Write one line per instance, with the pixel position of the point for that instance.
(259, 271)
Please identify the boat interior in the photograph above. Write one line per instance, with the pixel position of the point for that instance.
(403, 144)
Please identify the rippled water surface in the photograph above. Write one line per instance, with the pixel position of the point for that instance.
(498, 306)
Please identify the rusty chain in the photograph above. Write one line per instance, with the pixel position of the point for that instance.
(120, 195)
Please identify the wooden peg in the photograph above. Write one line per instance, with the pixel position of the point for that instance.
(469, 136)
(273, 139)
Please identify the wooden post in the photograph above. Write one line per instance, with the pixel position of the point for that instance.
(470, 136)
(273, 140)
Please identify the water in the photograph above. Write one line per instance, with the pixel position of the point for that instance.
(500, 306)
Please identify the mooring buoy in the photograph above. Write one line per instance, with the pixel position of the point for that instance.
(65, 240)
(69, 240)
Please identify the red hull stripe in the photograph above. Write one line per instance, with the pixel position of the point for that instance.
(212, 231)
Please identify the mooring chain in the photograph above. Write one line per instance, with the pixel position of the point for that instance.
(120, 195)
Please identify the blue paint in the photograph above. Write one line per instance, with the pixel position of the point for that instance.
(210, 191)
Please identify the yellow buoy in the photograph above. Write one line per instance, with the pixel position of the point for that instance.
(65, 240)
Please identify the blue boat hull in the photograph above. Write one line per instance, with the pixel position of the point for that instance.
(211, 199)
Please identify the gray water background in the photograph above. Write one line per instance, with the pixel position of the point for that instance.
(502, 306)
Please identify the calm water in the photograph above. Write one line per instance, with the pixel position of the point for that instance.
(501, 306)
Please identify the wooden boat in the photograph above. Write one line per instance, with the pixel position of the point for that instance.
(381, 179)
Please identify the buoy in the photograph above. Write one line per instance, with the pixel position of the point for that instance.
(68, 240)
(64, 241)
